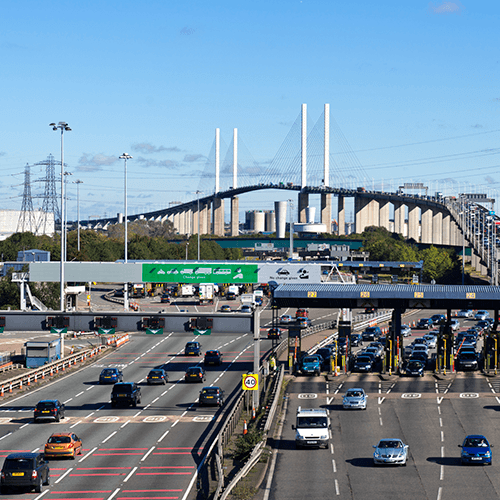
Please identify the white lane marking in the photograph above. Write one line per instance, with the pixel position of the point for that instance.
(337, 491)
(3, 437)
(90, 414)
(35, 450)
(113, 494)
(381, 421)
(442, 451)
(91, 387)
(442, 436)
(41, 494)
(161, 439)
(147, 454)
(175, 423)
(138, 413)
(440, 422)
(155, 400)
(334, 466)
(497, 398)
(332, 449)
(79, 394)
(75, 424)
(127, 422)
(132, 472)
(439, 410)
(439, 400)
(379, 411)
(380, 400)
(329, 400)
(68, 400)
(110, 436)
(439, 493)
(23, 426)
(87, 455)
(441, 474)
(64, 475)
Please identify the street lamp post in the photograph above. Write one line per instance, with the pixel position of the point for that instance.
(78, 182)
(125, 156)
(291, 230)
(66, 215)
(62, 126)
(187, 246)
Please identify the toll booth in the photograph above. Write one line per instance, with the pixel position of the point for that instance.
(393, 344)
(343, 353)
(445, 346)
(490, 347)
(294, 346)
(40, 352)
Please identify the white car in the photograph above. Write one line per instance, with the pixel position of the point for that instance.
(481, 315)
(465, 313)
(355, 398)
(455, 325)
(405, 330)
(431, 340)
(390, 451)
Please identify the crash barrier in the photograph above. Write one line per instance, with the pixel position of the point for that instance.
(215, 451)
(50, 369)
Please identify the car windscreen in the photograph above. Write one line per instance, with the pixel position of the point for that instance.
(44, 405)
(415, 365)
(156, 373)
(108, 372)
(210, 391)
(59, 439)
(191, 345)
(354, 394)
(310, 359)
(312, 422)
(364, 359)
(18, 464)
(467, 355)
(125, 388)
(389, 444)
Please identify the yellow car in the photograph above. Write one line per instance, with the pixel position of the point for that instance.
(63, 444)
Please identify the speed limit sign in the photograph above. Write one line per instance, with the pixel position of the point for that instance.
(251, 382)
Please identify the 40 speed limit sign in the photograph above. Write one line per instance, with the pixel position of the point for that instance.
(251, 382)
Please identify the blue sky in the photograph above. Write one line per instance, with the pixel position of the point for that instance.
(413, 86)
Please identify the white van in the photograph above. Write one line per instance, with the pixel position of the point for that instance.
(312, 428)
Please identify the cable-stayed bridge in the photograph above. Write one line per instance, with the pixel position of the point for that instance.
(305, 164)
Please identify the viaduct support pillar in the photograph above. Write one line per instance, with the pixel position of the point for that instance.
(446, 240)
(195, 218)
(414, 222)
(384, 214)
(399, 218)
(218, 216)
(341, 215)
(203, 219)
(454, 234)
(437, 227)
(303, 204)
(235, 211)
(427, 216)
(176, 222)
(326, 211)
(361, 214)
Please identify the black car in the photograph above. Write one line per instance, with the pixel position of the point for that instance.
(466, 360)
(195, 374)
(192, 349)
(356, 339)
(211, 396)
(425, 323)
(363, 364)
(213, 357)
(25, 470)
(372, 333)
(127, 393)
(326, 353)
(275, 332)
(49, 409)
(157, 376)
(415, 368)
(110, 376)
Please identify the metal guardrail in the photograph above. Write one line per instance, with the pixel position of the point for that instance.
(55, 367)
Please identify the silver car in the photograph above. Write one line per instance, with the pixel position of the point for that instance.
(390, 451)
(431, 340)
(465, 313)
(405, 330)
(355, 398)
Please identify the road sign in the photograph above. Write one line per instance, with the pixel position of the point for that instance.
(251, 382)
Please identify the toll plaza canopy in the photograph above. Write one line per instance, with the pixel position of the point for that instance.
(331, 295)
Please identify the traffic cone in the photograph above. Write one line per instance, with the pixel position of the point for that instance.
(253, 413)
(43, 374)
(245, 429)
(29, 383)
(2, 392)
(10, 387)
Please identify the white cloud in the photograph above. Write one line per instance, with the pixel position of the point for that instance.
(447, 8)
(147, 148)
(92, 163)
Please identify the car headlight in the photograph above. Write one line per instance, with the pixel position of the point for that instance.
(299, 436)
(324, 436)
(487, 454)
(465, 453)
(376, 454)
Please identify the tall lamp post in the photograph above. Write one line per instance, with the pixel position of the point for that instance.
(78, 182)
(125, 156)
(62, 126)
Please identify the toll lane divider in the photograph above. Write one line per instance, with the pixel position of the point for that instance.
(51, 369)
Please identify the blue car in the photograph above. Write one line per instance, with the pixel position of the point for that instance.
(110, 376)
(476, 450)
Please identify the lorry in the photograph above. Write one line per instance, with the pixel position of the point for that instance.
(186, 290)
(248, 299)
(312, 428)
(206, 292)
(232, 292)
